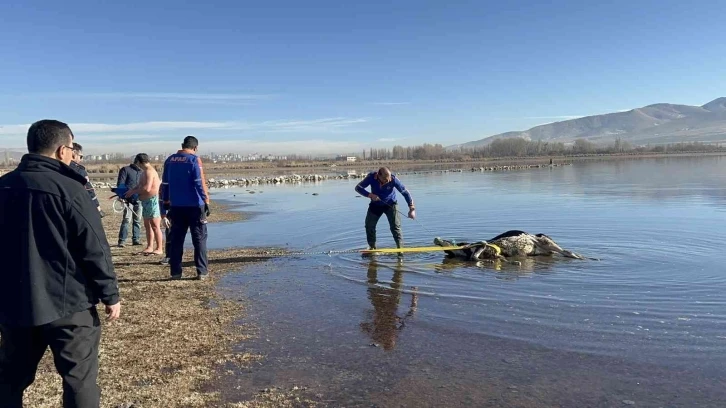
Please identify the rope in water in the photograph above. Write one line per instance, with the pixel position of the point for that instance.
(362, 251)
(127, 206)
(380, 251)
(274, 253)
(330, 252)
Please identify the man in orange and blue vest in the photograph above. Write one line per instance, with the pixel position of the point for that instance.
(185, 200)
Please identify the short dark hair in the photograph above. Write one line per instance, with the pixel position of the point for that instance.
(44, 136)
(190, 142)
(77, 147)
(141, 158)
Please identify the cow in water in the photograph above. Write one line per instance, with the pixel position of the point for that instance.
(512, 243)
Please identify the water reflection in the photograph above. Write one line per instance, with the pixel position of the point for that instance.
(654, 179)
(530, 265)
(383, 324)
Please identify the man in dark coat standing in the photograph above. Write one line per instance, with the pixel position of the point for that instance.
(59, 270)
(129, 177)
(185, 199)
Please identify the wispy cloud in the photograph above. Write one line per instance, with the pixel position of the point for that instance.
(173, 95)
(200, 98)
(390, 103)
(313, 125)
(316, 125)
(387, 139)
(308, 146)
(100, 128)
(157, 136)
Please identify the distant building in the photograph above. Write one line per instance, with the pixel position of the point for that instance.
(347, 158)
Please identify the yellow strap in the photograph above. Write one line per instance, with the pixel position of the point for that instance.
(496, 248)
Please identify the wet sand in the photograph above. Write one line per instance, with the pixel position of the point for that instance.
(172, 335)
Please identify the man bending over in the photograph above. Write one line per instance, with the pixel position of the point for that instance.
(383, 201)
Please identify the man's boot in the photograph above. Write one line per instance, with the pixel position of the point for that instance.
(370, 247)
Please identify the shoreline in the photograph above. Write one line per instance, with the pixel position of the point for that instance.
(172, 337)
(268, 172)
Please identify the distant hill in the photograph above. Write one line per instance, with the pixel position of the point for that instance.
(653, 124)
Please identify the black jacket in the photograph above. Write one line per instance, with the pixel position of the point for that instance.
(57, 259)
(89, 187)
(129, 175)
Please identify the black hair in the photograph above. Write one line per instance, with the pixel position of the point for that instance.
(45, 136)
(190, 142)
(77, 147)
(141, 158)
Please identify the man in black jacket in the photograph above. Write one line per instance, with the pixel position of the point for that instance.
(129, 177)
(81, 169)
(59, 270)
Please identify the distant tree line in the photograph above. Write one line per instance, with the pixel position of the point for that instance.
(519, 147)
(513, 147)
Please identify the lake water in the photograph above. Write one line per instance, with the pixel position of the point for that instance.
(645, 324)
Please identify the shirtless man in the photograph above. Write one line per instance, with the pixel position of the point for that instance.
(148, 191)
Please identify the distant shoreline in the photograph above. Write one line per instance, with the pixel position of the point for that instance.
(248, 169)
(109, 171)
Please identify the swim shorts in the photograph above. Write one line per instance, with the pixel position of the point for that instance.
(150, 208)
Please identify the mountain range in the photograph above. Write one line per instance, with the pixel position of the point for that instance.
(660, 123)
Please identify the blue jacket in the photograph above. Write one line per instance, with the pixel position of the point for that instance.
(182, 182)
(386, 192)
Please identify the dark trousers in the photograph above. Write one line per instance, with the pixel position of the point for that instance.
(394, 221)
(74, 342)
(182, 220)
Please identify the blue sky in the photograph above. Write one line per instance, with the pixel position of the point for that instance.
(332, 76)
